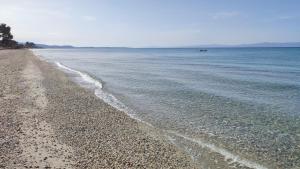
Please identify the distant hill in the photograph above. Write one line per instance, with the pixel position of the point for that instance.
(272, 44)
(54, 46)
(264, 44)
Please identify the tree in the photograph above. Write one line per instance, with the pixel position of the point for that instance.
(30, 45)
(6, 39)
(5, 32)
(5, 35)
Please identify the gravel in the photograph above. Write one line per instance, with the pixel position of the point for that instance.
(90, 132)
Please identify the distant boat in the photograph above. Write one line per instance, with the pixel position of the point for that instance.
(203, 50)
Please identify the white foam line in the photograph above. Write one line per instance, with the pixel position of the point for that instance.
(106, 97)
(110, 99)
(225, 153)
(84, 76)
(114, 102)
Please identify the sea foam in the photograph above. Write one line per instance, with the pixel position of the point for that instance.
(84, 76)
(99, 92)
(227, 155)
(113, 101)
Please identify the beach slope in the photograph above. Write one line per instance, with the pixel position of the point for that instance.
(47, 121)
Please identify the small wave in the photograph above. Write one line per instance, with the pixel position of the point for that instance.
(113, 101)
(98, 91)
(84, 76)
(227, 155)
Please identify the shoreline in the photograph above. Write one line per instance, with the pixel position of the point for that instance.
(203, 151)
(97, 88)
(52, 122)
(216, 153)
(214, 149)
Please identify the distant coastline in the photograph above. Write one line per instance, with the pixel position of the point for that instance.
(252, 45)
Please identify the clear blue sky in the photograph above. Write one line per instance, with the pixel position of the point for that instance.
(139, 23)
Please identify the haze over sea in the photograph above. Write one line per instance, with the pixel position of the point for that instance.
(237, 105)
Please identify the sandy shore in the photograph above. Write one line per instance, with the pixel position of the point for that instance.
(47, 121)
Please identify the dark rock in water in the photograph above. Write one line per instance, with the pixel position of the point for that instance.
(203, 50)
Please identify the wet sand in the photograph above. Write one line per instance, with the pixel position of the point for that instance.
(48, 121)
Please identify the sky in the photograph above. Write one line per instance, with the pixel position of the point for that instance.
(152, 23)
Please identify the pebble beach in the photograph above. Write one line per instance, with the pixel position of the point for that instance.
(48, 121)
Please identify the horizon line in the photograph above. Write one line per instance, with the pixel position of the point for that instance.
(258, 44)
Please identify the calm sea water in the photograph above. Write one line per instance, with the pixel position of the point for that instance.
(233, 107)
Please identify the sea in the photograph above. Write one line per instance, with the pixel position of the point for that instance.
(225, 107)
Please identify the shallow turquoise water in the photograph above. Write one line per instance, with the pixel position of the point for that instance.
(246, 98)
